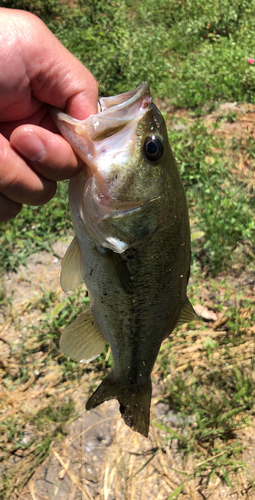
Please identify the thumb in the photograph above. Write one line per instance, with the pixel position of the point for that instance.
(56, 76)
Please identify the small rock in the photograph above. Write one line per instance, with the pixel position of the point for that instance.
(205, 313)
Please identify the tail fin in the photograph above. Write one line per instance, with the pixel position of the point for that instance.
(134, 402)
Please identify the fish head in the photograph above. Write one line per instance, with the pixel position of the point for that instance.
(127, 154)
(124, 146)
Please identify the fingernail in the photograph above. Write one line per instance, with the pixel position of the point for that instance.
(29, 145)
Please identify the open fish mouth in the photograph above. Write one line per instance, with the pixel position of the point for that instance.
(116, 112)
(127, 99)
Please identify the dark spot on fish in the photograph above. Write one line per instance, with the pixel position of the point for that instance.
(91, 272)
(105, 293)
(116, 177)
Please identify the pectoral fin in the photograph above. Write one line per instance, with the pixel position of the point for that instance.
(82, 340)
(116, 269)
(187, 314)
(72, 268)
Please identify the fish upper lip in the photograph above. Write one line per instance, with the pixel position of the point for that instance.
(142, 92)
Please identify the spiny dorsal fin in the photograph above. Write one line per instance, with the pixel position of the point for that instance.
(134, 402)
(82, 340)
(187, 314)
(71, 267)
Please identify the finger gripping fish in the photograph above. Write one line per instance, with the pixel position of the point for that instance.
(132, 246)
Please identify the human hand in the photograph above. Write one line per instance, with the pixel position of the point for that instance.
(36, 70)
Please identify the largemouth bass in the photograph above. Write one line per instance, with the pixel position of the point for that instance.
(132, 246)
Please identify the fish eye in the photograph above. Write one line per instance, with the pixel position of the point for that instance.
(153, 148)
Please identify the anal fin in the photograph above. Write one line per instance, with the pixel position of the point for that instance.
(82, 340)
(134, 402)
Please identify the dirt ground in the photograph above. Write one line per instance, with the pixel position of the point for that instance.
(99, 457)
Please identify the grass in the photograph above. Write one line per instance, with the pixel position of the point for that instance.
(37, 374)
(48, 428)
(194, 52)
(194, 55)
(218, 200)
(34, 229)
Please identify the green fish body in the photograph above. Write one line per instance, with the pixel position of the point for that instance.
(132, 246)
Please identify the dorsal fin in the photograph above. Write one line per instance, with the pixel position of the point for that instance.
(71, 267)
(82, 340)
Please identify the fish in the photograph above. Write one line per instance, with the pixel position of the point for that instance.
(131, 246)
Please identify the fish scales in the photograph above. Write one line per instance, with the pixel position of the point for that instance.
(132, 247)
